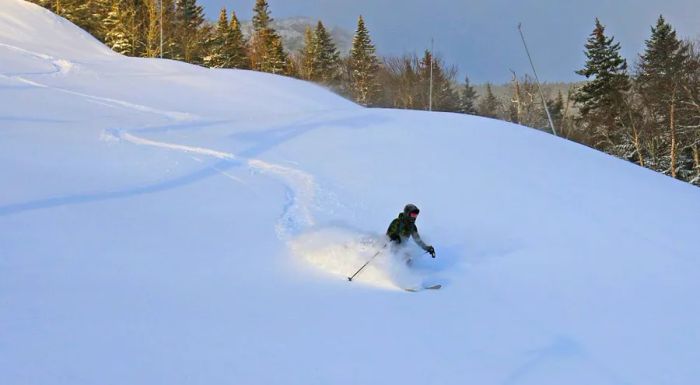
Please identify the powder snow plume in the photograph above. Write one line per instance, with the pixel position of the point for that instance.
(342, 252)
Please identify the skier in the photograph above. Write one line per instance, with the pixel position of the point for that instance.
(404, 227)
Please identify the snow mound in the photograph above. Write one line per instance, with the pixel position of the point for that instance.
(34, 28)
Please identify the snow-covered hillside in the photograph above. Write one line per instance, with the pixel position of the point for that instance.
(162, 223)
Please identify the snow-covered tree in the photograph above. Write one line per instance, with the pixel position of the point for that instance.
(363, 65)
(325, 62)
(226, 44)
(218, 42)
(237, 51)
(266, 50)
(601, 100)
(308, 52)
(661, 75)
(118, 36)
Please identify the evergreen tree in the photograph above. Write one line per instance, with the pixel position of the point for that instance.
(364, 86)
(218, 43)
(443, 97)
(467, 100)
(189, 18)
(227, 45)
(90, 15)
(325, 65)
(308, 53)
(266, 50)
(661, 66)
(489, 105)
(237, 45)
(661, 75)
(601, 99)
(261, 15)
(117, 23)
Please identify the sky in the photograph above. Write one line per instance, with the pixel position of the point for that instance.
(481, 37)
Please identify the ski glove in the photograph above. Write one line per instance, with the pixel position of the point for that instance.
(431, 250)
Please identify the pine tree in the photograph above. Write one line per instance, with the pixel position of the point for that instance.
(189, 18)
(266, 50)
(661, 67)
(261, 15)
(308, 53)
(468, 96)
(489, 105)
(218, 42)
(325, 64)
(170, 45)
(443, 97)
(237, 45)
(364, 86)
(90, 16)
(661, 74)
(601, 100)
(117, 27)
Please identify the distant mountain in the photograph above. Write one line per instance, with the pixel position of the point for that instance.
(292, 32)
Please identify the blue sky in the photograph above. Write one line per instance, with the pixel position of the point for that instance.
(481, 37)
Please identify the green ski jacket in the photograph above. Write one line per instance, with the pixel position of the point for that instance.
(403, 228)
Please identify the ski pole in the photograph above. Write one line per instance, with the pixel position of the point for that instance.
(367, 263)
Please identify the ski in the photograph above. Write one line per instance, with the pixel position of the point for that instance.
(414, 290)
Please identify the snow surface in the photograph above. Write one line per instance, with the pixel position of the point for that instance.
(167, 223)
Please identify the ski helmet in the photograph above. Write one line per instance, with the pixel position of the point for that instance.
(410, 208)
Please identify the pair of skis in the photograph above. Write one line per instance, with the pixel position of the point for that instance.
(432, 287)
(410, 289)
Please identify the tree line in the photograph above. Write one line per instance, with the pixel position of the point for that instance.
(649, 115)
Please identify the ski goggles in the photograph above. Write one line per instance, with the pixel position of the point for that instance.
(413, 214)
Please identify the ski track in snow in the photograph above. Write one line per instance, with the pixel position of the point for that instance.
(300, 185)
(296, 219)
(63, 67)
(179, 147)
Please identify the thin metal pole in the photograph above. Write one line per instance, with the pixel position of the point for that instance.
(161, 29)
(539, 87)
(430, 95)
(367, 263)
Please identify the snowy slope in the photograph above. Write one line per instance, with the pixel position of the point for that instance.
(166, 223)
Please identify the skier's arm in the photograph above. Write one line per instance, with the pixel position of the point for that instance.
(419, 241)
(422, 244)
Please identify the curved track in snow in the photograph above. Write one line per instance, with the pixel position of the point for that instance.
(331, 249)
(300, 185)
